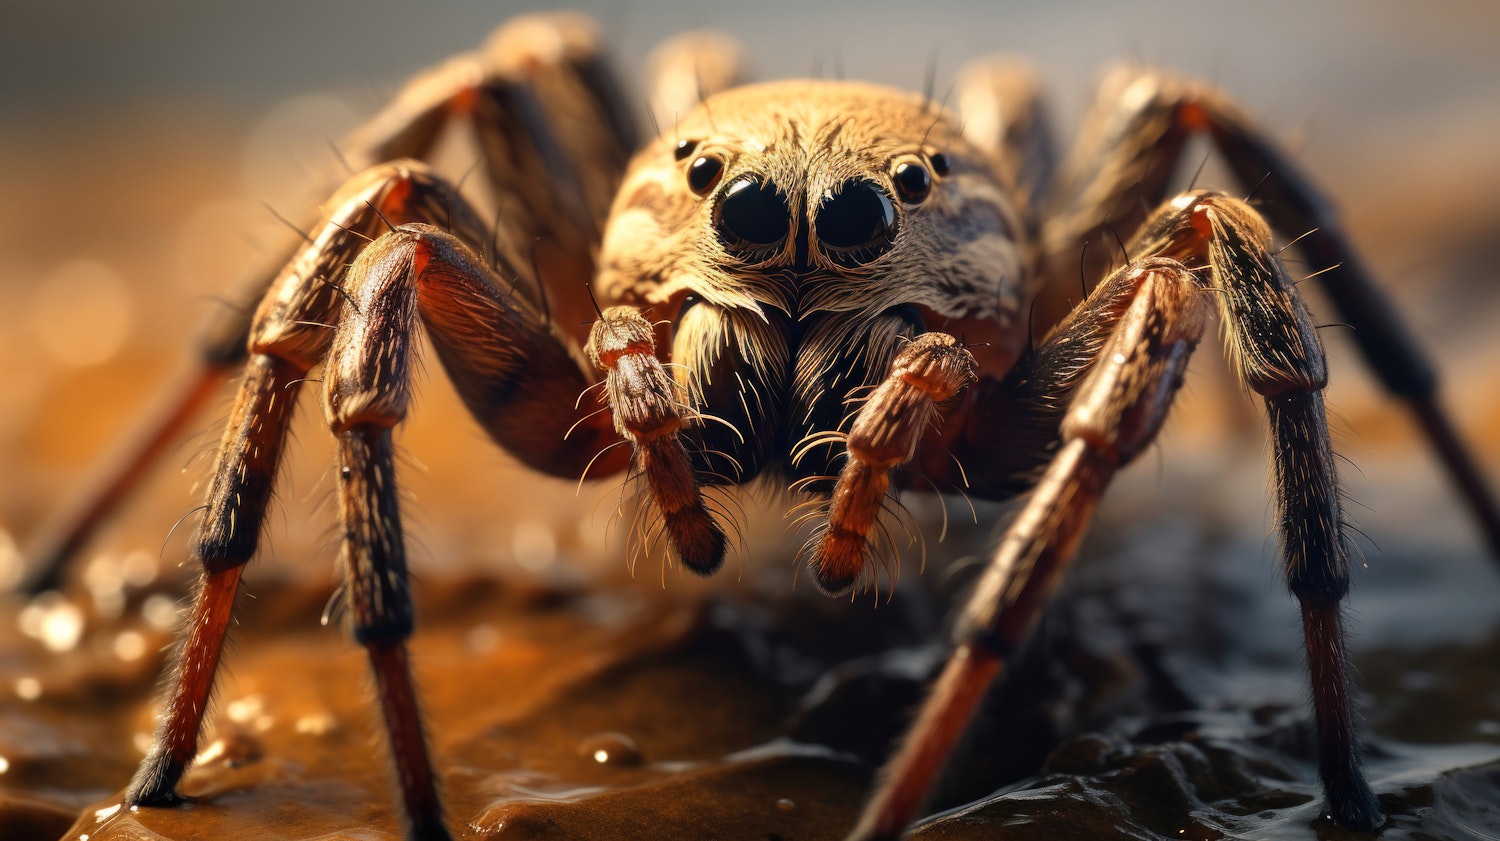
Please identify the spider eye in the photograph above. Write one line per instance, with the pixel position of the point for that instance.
(856, 224)
(704, 174)
(752, 212)
(939, 163)
(913, 182)
(692, 300)
(684, 148)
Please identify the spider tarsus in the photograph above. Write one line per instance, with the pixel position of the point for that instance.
(698, 539)
(1351, 802)
(155, 783)
(838, 560)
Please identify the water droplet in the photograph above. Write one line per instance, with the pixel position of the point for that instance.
(534, 545)
(244, 709)
(483, 638)
(53, 621)
(161, 612)
(82, 312)
(317, 724)
(613, 749)
(106, 813)
(234, 750)
(28, 688)
(129, 645)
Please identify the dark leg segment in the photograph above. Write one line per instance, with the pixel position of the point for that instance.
(1318, 575)
(373, 563)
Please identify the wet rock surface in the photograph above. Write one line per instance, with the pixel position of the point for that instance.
(612, 709)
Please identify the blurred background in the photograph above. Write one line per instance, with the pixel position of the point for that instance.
(141, 145)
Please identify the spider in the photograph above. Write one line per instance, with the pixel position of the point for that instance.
(849, 288)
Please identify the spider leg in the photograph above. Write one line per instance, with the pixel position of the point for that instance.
(1114, 414)
(684, 70)
(555, 133)
(286, 345)
(1130, 148)
(1004, 114)
(514, 373)
(1214, 240)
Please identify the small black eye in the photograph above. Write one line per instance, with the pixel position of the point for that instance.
(939, 163)
(692, 300)
(704, 174)
(684, 148)
(913, 182)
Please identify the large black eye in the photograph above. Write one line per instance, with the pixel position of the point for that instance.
(857, 223)
(753, 213)
(704, 174)
(913, 182)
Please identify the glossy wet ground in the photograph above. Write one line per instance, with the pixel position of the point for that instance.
(1162, 700)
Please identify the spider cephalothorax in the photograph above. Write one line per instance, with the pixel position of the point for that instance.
(824, 284)
(798, 237)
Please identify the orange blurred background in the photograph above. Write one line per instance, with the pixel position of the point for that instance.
(140, 148)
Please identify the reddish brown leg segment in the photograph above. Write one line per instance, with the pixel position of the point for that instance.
(227, 540)
(415, 777)
(1115, 413)
(648, 413)
(197, 661)
(942, 721)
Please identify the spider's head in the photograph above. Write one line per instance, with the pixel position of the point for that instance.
(815, 197)
(794, 230)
